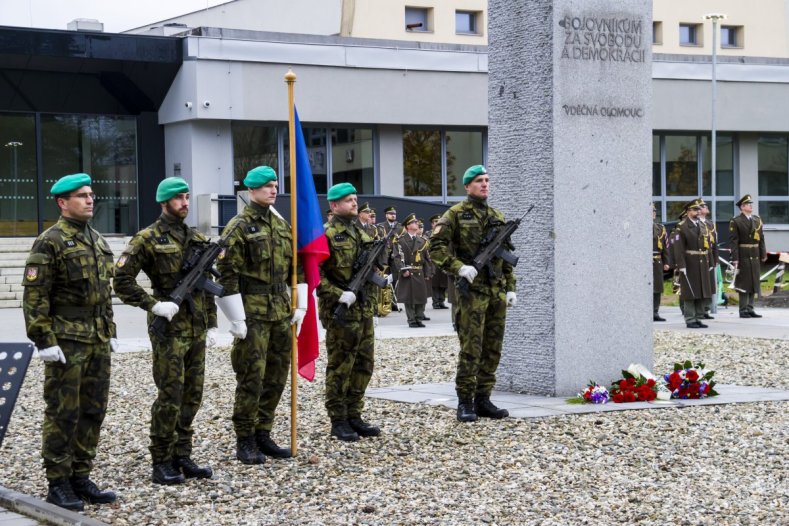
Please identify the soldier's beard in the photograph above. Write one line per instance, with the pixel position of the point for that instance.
(179, 213)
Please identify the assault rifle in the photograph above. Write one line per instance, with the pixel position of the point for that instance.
(364, 271)
(199, 259)
(493, 245)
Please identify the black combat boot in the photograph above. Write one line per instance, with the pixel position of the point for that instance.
(165, 473)
(62, 494)
(342, 430)
(362, 428)
(486, 408)
(267, 446)
(87, 490)
(466, 411)
(190, 469)
(247, 451)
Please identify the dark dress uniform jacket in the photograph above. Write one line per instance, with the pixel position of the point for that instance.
(158, 250)
(67, 286)
(411, 253)
(659, 256)
(712, 235)
(747, 248)
(692, 253)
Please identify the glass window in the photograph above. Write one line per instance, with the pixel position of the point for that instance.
(422, 162)
(724, 210)
(674, 209)
(657, 32)
(724, 166)
(416, 19)
(730, 36)
(464, 149)
(253, 145)
(352, 158)
(773, 177)
(18, 188)
(688, 34)
(774, 211)
(105, 147)
(681, 165)
(656, 165)
(315, 139)
(466, 22)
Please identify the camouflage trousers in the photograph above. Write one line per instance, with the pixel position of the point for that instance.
(261, 362)
(178, 372)
(479, 318)
(350, 350)
(76, 395)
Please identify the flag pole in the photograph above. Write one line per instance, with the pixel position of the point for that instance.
(290, 79)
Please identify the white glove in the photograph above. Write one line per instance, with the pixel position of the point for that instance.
(52, 354)
(512, 299)
(114, 345)
(468, 272)
(211, 337)
(375, 322)
(388, 279)
(298, 319)
(683, 271)
(165, 309)
(348, 298)
(239, 329)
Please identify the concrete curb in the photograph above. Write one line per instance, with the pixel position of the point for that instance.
(43, 511)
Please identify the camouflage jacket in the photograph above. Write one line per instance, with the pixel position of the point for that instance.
(67, 286)
(456, 239)
(258, 262)
(346, 241)
(158, 250)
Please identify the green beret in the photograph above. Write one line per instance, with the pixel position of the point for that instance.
(338, 191)
(68, 183)
(473, 172)
(169, 188)
(259, 176)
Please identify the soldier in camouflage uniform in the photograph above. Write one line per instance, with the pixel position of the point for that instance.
(747, 251)
(68, 315)
(481, 313)
(349, 342)
(438, 281)
(179, 359)
(256, 269)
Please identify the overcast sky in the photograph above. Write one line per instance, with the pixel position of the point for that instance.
(117, 15)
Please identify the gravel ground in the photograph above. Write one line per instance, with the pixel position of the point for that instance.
(703, 465)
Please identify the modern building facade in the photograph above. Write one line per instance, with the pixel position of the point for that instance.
(400, 109)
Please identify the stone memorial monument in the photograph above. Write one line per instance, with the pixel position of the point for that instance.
(570, 132)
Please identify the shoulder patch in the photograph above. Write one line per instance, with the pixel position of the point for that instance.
(31, 273)
(340, 237)
(122, 260)
(70, 243)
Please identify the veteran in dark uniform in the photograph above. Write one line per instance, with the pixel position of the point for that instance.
(349, 342)
(692, 252)
(410, 261)
(747, 251)
(256, 269)
(659, 263)
(68, 314)
(365, 222)
(384, 227)
(481, 313)
(179, 359)
(712, 236)
(438, 281)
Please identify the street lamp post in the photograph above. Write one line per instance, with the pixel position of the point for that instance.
(715, 17)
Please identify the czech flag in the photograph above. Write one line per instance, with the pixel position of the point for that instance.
(312, 248)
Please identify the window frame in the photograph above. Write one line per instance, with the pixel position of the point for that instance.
(474, 17)
(694, 31)
(737, 32)
(770, 197)
(662, 201)
(427, 25)
(657, 33)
